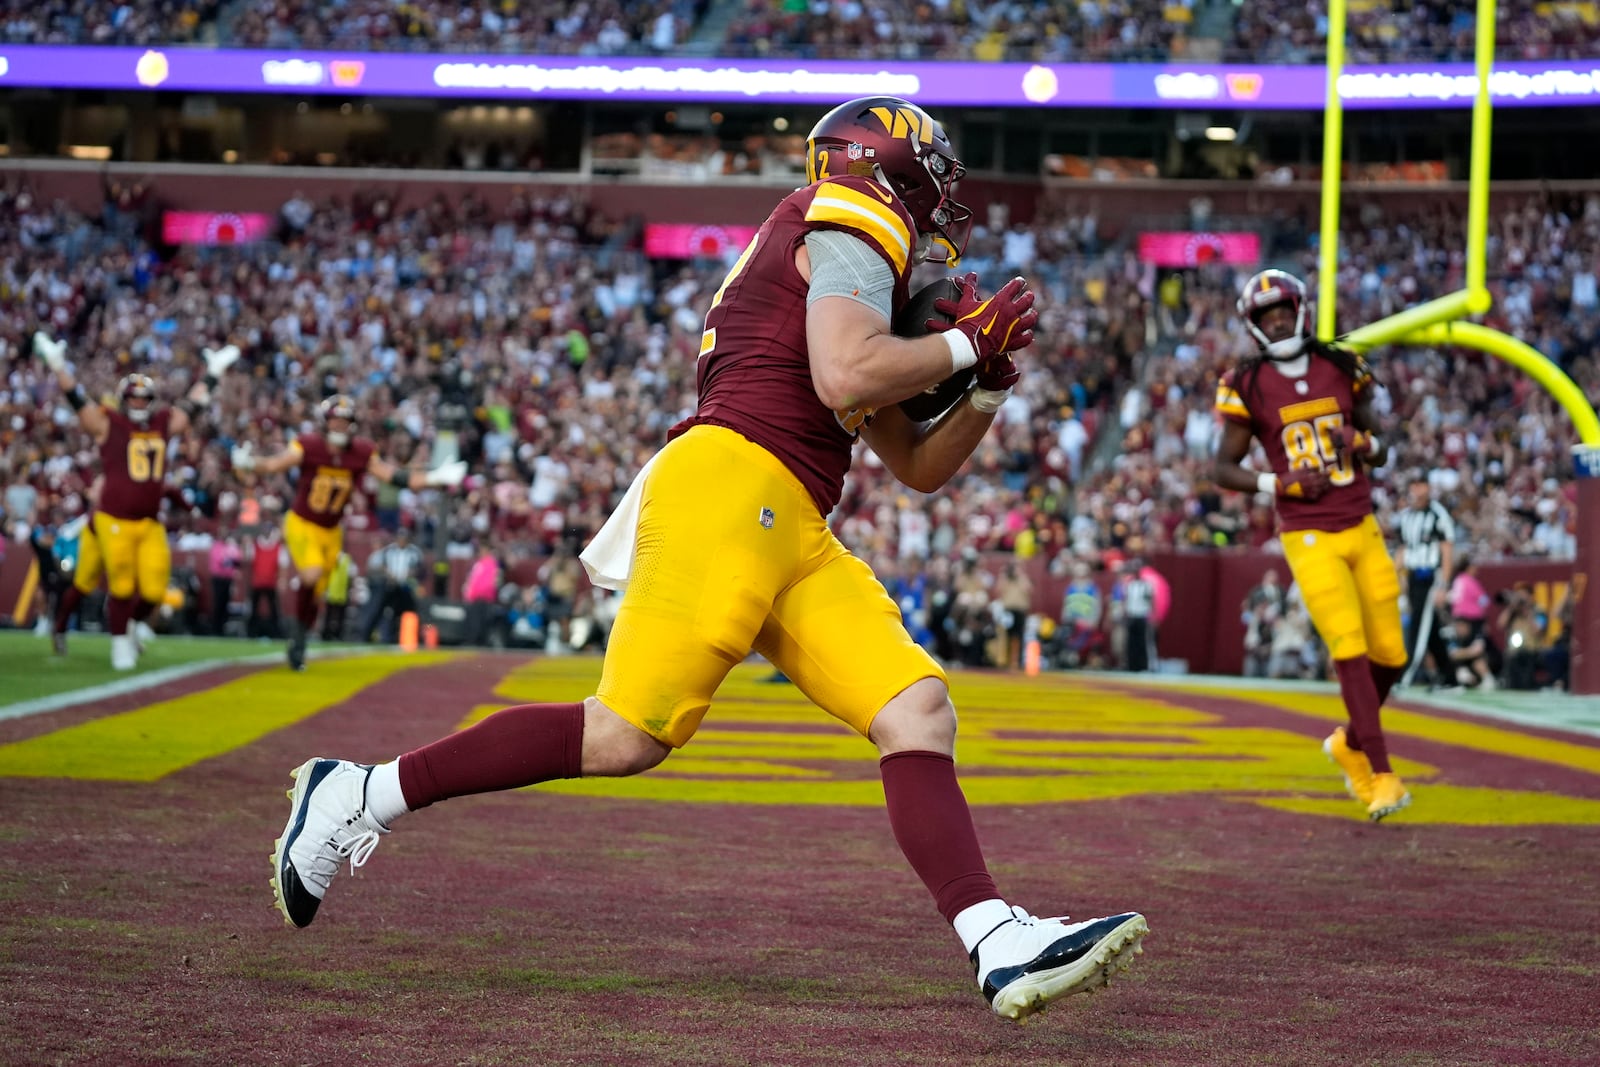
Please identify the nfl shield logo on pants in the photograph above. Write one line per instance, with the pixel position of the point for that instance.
(767, 518)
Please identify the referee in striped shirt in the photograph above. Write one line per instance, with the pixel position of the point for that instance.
(1427, 552)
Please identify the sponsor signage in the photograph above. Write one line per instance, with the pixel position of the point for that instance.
(1572, 82)
(1184, 248)
(214, 227)
(675, 240)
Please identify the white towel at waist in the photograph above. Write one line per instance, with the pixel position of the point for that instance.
(609, 557)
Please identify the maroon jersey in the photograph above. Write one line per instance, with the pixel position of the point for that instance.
(754, 376)
(328, 478)
(1294, 419)
(133, 458)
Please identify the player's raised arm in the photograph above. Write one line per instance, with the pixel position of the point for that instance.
(91, 415)
(446, 474)
(245, 459)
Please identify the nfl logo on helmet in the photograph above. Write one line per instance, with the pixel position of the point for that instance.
(853, 150)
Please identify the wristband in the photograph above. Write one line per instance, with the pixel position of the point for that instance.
(77, 397)
(962, 354)
(401, 478)
(1267, 483)
(1374, 444)
(989, 401)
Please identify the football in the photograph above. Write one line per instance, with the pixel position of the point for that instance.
(911, 321)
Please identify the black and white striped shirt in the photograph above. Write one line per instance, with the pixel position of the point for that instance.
(1422, 531)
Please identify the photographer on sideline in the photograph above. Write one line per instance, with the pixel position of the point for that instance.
(1522, 623)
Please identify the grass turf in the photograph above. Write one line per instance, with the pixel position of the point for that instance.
(28, 671)
(705, 925)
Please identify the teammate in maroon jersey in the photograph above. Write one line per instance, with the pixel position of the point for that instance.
(331, 465)
(722, 546)
(133, 439)
(1309, 405)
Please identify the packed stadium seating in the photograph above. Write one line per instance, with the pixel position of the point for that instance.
(1389, 31)
(560, 354)
(1273, 31)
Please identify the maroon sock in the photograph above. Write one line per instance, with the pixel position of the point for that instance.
(143, 609)
(305, 606)
(515, 747)
(1384, 678)
(1361, 703)
(119, 611)
(933, 826)
(70, 599)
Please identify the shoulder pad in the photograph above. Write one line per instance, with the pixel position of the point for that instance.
(865, 208)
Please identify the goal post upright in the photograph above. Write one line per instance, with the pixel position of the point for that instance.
(1332, 173)
(1439, 322)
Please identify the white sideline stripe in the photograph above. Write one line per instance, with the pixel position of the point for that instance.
(151, 679)
(1547, 711)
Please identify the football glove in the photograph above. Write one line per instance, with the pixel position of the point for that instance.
(243, 457)
(449, 474)
(995, 379)
(1349, 441)
(1003, 323)
(218, 360)
(54, 353)
(1307, 484)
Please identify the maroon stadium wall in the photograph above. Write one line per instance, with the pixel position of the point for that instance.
(1203, 628)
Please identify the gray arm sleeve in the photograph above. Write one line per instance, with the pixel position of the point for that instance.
(845, 265)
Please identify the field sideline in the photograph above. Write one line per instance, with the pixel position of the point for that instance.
(745, 902)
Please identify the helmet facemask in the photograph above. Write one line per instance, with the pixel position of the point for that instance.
(1276, 289)
(942, 221)
(338, 408)
(137, 387)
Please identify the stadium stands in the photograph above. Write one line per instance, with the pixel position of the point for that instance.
(1273, 31)
(569, 353)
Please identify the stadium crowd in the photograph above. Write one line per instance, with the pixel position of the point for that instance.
(542, 346)
(1275, 31)
(592, 27)
(1396, 31)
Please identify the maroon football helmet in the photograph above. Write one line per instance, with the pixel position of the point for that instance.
(1269, 289)
(897, 143)
(338, 406)
(135, 387)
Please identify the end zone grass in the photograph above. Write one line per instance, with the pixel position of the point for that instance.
(28, 670)
(752, 908)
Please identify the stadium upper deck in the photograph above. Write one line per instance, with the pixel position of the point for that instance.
(1050, 31)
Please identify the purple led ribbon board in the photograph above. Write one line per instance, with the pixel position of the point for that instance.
(530, 78)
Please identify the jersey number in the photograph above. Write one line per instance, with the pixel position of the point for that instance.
(1309, 445)
(708, 339)
(329, 491)
(147, 456)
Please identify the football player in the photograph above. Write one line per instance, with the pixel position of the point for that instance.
(1309, 404)
(331, 463)
(722, 545)
(133, 440)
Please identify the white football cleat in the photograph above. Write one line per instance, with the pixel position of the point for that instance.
(124, 652)
(143, 635)
(1026, 963)
(328, 824)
